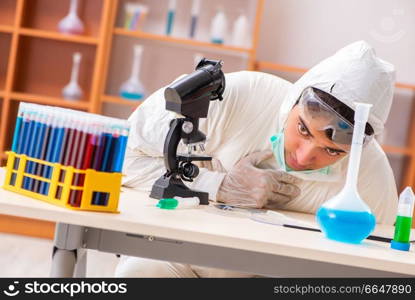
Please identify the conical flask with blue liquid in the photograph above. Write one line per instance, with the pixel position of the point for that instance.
(133, 89)
(346, 217)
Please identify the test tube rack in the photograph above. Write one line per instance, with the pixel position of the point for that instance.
(104, 183)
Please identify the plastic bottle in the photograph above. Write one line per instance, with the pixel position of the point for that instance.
(170, 16)
(72, 91)
(218, 27)
(240, 32)
(178, 202)
(346, 217)
(71, 24)
(194, 18)
(133, 89)
(403, 220)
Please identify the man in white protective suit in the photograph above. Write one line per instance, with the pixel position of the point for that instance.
(275, 144)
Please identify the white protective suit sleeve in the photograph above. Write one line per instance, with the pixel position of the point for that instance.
(144, 162)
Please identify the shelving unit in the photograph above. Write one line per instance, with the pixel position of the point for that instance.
(179, 41)
(37, 59)
(121, 101)
(36, 64)
(46, 100)
(58, 36)
(407, 151)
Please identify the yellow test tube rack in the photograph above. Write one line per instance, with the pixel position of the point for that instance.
(61, 179)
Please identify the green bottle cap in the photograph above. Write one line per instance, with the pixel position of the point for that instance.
(167, 203)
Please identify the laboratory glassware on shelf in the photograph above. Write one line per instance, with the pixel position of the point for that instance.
(194, 16)
(72, 91)
(171, 11)
(71, 23)
(218, 27)
(133, 89)
(135, 15)
(240, 33)
(346, 217)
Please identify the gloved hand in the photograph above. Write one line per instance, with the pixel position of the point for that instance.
(245, 185)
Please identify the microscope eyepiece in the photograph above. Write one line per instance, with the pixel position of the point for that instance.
(190, 95)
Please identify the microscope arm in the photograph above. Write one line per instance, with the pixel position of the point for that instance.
(170, 145)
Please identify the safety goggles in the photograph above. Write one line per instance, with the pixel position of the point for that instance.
(320, 116)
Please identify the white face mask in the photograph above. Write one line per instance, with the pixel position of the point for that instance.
(323, 174)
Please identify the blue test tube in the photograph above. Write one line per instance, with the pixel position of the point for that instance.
(170, 16)
(120, 149)
(42, 155)
(27, 148)
(37, 143)
(17, 129)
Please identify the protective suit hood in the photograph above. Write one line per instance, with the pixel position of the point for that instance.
(353, 74)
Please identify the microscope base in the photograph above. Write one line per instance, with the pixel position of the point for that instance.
(168, 187)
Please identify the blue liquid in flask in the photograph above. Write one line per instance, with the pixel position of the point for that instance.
(131, 96)
(346, 226)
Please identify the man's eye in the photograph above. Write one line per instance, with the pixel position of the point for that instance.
(332, 152)
(302, 129)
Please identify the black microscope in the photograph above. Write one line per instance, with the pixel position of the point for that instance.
(189, 97)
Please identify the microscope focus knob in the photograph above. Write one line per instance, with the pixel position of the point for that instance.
(187, 127)
(190, 170)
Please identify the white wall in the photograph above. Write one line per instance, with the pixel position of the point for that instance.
(302, 32)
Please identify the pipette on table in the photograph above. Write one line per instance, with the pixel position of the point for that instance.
(178, 202)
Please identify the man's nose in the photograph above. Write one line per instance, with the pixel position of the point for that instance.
(306, 153)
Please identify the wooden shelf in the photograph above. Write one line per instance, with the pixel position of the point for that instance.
(266, 65)
(6, 28)
(119, 100)
(46, 100)
(398, 150)
(180, 41)
(58, 36)
(405, 86)
(2, 93)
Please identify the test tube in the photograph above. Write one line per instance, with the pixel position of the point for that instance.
(194, 17)
(403, 220)
(170, 16)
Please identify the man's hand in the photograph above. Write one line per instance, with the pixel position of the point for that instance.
(245, 185)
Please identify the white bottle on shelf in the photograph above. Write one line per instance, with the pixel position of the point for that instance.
(72, 91)
(240, 33)
(218, 27)
(71, 24)
(133, 89)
